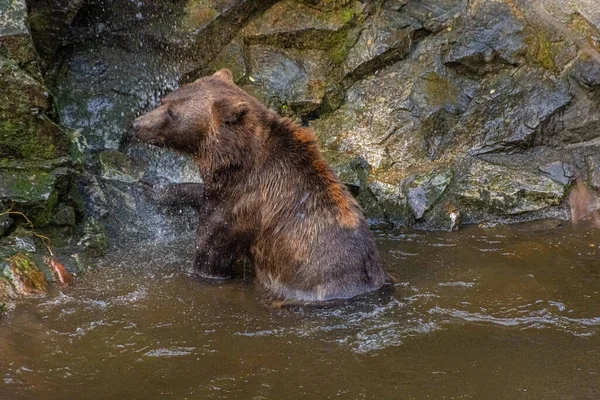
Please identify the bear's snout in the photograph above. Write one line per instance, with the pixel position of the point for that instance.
(144, 129)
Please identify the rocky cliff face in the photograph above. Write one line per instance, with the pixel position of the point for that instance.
(436, 113)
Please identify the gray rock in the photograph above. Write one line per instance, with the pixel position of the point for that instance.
(593, 171)
(232, 58)
(117, 166)
(26, 132)
(504, 191)
(50, 22)
(559, 171)
(5, 223)
(64, 216)
(291, 23)
(586, 71)
(30, 190)
(491, 36)
(401, 117)
(392, 201)
(94, 239)
(102, 88)
(15, 41)
(578, 122)
(288, 77)
(435, 15)
(509, 109)
(386, 37)
(96, 203)
(423, 191)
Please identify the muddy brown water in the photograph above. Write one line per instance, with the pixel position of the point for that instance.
(500, 313)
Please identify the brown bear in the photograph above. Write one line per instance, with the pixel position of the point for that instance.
(267, 193)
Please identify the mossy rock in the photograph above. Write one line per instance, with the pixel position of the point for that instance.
(26, 274)
(31, 192)
(117, 166)
(25, 130)
(504, 191)
(15, 40)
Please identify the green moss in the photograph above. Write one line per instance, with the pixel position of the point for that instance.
(27, 273)
(25, 131)
(541, 50)
(339, 47)
(439, 90)
(197, 14)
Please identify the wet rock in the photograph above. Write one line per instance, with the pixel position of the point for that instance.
(586, 71)
(94, 239)
(64, 216)
(95, 200)
(31, 191)
(289, 77)
(232, 58)
(560, 172)
(15, 40)
(491, 36)
(202, 28)
(102, 88)
(593, 171)
(504, 191)
(25, 275)
(386, 37)
(294, 24)
(117, 166)
(21, 240)
(401, 117)
(509, 109)
(445, 217)
(578, 122)
(25, 130)
(50, 22)
(5, 223)
(392, 201)
(423, 191)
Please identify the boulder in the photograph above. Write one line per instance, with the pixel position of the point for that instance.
(491, 36)
(503, 191)
(288, 77)
(510, 108)
(385, 38)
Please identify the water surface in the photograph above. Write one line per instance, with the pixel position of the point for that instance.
(500, 313)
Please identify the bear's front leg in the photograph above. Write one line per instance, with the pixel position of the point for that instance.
(217, 246)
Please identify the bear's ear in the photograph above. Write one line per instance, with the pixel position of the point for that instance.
(224, 74)
(229, 111)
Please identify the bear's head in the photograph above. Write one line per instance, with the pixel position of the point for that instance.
(211, 108)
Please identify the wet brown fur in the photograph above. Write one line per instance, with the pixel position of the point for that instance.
(268, 194)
